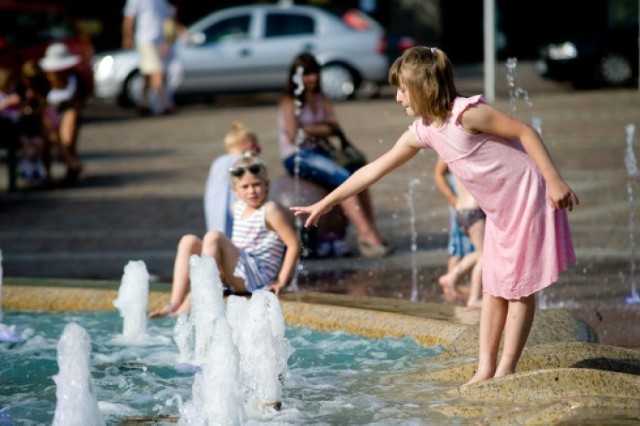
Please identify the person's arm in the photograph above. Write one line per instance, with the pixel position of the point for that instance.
(279, 221)
(486, 119)
(405, 148)
(440, 177)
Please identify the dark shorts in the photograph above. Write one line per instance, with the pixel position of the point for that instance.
(467, 217)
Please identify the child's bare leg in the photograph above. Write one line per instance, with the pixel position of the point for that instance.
(188, 245)
(217, 245)
(516, 331)
(492, 319)
(449, 280)
(475, 292)
(476, 235)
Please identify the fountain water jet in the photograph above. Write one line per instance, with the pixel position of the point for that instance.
(297, 79)
(132, 301)
(414, 243)
(241, 351)
(515, 92)
(7, 332)
(76, 402)
(632, 171)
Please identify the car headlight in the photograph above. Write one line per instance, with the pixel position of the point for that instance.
(566, 50)
(103, 68)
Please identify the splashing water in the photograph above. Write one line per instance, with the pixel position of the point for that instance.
(258, 331)
(7, 332)
(414, 240)
(241, 351)
(132, 300)
(297, 79)
(632, 171)
(515, 92)
(76, 401)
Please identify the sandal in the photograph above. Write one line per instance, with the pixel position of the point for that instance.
(373, 250)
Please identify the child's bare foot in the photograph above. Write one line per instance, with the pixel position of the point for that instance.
(474, 303)
(479, 377)
(166, 310)
(448, 284)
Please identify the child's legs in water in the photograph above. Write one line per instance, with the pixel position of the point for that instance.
(515, 318)
(217, 245)
(187, 246)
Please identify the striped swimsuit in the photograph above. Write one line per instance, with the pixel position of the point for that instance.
(261, 250)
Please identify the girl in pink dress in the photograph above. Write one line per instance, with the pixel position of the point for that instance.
(505, 165)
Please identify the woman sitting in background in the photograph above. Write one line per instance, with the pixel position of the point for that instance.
(315, 119)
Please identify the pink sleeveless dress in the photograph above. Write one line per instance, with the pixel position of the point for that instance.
(527, 243)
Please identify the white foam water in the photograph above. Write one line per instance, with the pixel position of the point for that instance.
(76, 401)
(240, 351)
(132, 300)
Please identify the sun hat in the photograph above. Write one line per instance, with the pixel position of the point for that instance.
(57, 58)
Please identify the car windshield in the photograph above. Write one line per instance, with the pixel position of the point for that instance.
(26, 28)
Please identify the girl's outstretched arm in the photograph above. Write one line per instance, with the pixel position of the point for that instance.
(279, 220)
(405, 148)
(486, 119)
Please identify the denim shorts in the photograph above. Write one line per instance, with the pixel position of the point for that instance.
(316, 166)
(459, 244)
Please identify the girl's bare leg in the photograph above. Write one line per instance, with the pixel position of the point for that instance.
(364, 227)
(516, 331)
(188, 245)
(492, 320)
(217, 245)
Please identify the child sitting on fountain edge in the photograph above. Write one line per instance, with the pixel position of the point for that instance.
(264, 248)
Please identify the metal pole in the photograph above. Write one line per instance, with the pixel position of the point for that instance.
(489, 51)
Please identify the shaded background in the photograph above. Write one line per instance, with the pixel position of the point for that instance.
(456, 26)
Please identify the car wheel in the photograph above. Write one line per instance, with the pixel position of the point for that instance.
(338, 82)
(131, 90)
(614, 69)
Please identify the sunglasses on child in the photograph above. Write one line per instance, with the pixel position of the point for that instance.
(254, 169)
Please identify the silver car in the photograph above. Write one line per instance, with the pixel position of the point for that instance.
(248, 49)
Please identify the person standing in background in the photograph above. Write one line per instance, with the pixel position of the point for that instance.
(143, 28)
(218, 193)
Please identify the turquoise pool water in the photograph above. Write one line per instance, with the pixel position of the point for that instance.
(333, 378)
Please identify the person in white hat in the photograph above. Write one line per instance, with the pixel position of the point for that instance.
(66, 99)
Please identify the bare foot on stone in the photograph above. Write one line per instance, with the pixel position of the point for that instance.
(448, 284)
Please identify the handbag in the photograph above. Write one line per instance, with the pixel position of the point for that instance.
(346, 154)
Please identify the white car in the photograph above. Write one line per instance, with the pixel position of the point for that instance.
(248, 49)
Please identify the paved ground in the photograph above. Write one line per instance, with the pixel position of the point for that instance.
(144, 181)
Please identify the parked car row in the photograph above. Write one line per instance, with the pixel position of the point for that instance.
(593, 59)
(248, 49)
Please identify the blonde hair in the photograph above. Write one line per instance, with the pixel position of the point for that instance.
(427, 75)
(238, 134)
